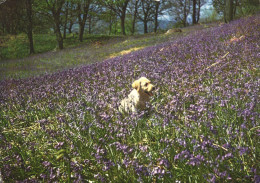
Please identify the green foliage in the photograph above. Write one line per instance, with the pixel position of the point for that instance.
(17, 46)
(14, 46)
(94, 48)
(248, 8)
(178, 24)
(210, 16)
(240, 7)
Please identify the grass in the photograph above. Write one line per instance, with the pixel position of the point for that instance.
(202, 124)
(17, 46)
(93, 49)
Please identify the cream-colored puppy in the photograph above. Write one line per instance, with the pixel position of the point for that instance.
(138, 97)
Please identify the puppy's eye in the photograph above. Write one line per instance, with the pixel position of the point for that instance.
(146, 84)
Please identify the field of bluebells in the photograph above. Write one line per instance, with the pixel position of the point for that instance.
(202, 124)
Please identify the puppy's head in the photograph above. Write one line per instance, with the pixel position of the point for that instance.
(144, 86)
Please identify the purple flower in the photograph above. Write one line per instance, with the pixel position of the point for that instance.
(194, 161)
(243, 126)
(126, 162)
(143, 148)
(227, 145)
(207, 100)
(43, 176)
(243, 150)
(223, 103)
(46, 163)
(258, 132)
(184, 154)
(158, 171)
(107, 165)
(59, 145)
(257, 178)
(226, 156)
(99, 177)
(52, 174)
(164, 162)
(212, 179)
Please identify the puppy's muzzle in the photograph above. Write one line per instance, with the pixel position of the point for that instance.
(150, 91)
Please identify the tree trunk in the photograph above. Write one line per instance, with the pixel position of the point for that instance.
(89, 24)
(57, 31)
(56, 10)
(135, 15)
(59, 37)
(194, 12)
(184, 15)
(145, 26)
(123, 17)
(8, 29)
(83, 25)
(66, 19)
(156, 16)
(198, 12)
(3, 28)
(81, 31)
(30, 25)
(70, 26)
(123, 24)
(110, 23)
(184, 19)
(231, 10)
(82, 21)
(115, 27)
(228, 14)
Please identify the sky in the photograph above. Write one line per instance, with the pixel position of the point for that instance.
(206, 8)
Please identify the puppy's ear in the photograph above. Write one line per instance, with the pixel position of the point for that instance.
(136, 84)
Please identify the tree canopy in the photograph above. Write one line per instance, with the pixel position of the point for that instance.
(107, 17)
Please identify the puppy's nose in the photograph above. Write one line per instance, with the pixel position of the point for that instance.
(153, 88)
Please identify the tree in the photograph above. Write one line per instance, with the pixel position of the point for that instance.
(232, 8)
(108, 16)
(219, 6)
(55, 6)
(82, 12)
(146, 13)
(17, 17)
(13, 16)
(196, 5)
(160, 8)
(66, 19)
(132, 11)
(247, 7)
(29, 25)
(94, 10)
(229, 10)
(72, 15)
(119, 7)
(194, 16)
(225, 7)
(180, 9)
(157, 5)
(200, 3)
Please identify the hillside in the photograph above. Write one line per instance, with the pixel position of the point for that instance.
(94, 48)
(202, 125)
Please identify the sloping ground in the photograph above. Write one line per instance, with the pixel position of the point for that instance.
(87, 53)
(203, 122)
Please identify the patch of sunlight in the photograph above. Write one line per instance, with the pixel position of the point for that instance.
(124, 52)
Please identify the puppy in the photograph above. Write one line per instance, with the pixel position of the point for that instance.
(138, 97)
